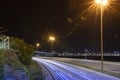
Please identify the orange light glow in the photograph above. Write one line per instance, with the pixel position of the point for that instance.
(102, 2)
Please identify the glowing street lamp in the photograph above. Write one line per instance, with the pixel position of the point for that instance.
(101, 3)
(52, 39)
(37, 45)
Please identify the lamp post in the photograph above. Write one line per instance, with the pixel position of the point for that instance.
(101, 3)
(37, 45)
(52, 39)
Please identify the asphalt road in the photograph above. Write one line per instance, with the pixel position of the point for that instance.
(62, 71)
(108, 65)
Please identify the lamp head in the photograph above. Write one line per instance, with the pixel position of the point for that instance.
(52, 38)
(102, 2)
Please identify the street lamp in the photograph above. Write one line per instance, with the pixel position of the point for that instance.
(37, 45)
(52, 39)
(101, 3)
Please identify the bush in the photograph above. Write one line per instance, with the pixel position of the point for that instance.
(35, 71)
(24, 51)
(1, 64)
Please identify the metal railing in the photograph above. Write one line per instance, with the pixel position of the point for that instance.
(4, 42)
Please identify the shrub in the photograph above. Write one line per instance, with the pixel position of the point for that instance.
(24, 51)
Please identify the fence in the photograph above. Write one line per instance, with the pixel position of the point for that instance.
(4, 42)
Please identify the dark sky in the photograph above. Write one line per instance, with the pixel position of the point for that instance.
(34, 20)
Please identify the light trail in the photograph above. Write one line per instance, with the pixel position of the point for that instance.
(63, 71)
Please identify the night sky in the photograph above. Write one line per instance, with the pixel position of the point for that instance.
(34, 20)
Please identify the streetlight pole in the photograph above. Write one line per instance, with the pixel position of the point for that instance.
(52, 45)
(37, 45)
(102, 3)
(101, 30)
(52, 39)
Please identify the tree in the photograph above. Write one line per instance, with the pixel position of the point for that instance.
(24, 51)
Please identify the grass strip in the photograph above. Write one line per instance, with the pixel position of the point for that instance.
(94, 68)
(35, 71)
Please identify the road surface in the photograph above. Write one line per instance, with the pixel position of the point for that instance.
(113, 67)
(62, 71)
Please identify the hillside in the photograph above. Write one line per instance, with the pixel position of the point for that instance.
(10, 66)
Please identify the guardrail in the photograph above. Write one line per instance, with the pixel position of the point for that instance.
(89, 54)
(92, 56)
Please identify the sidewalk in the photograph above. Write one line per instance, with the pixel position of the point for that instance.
(109, 66)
